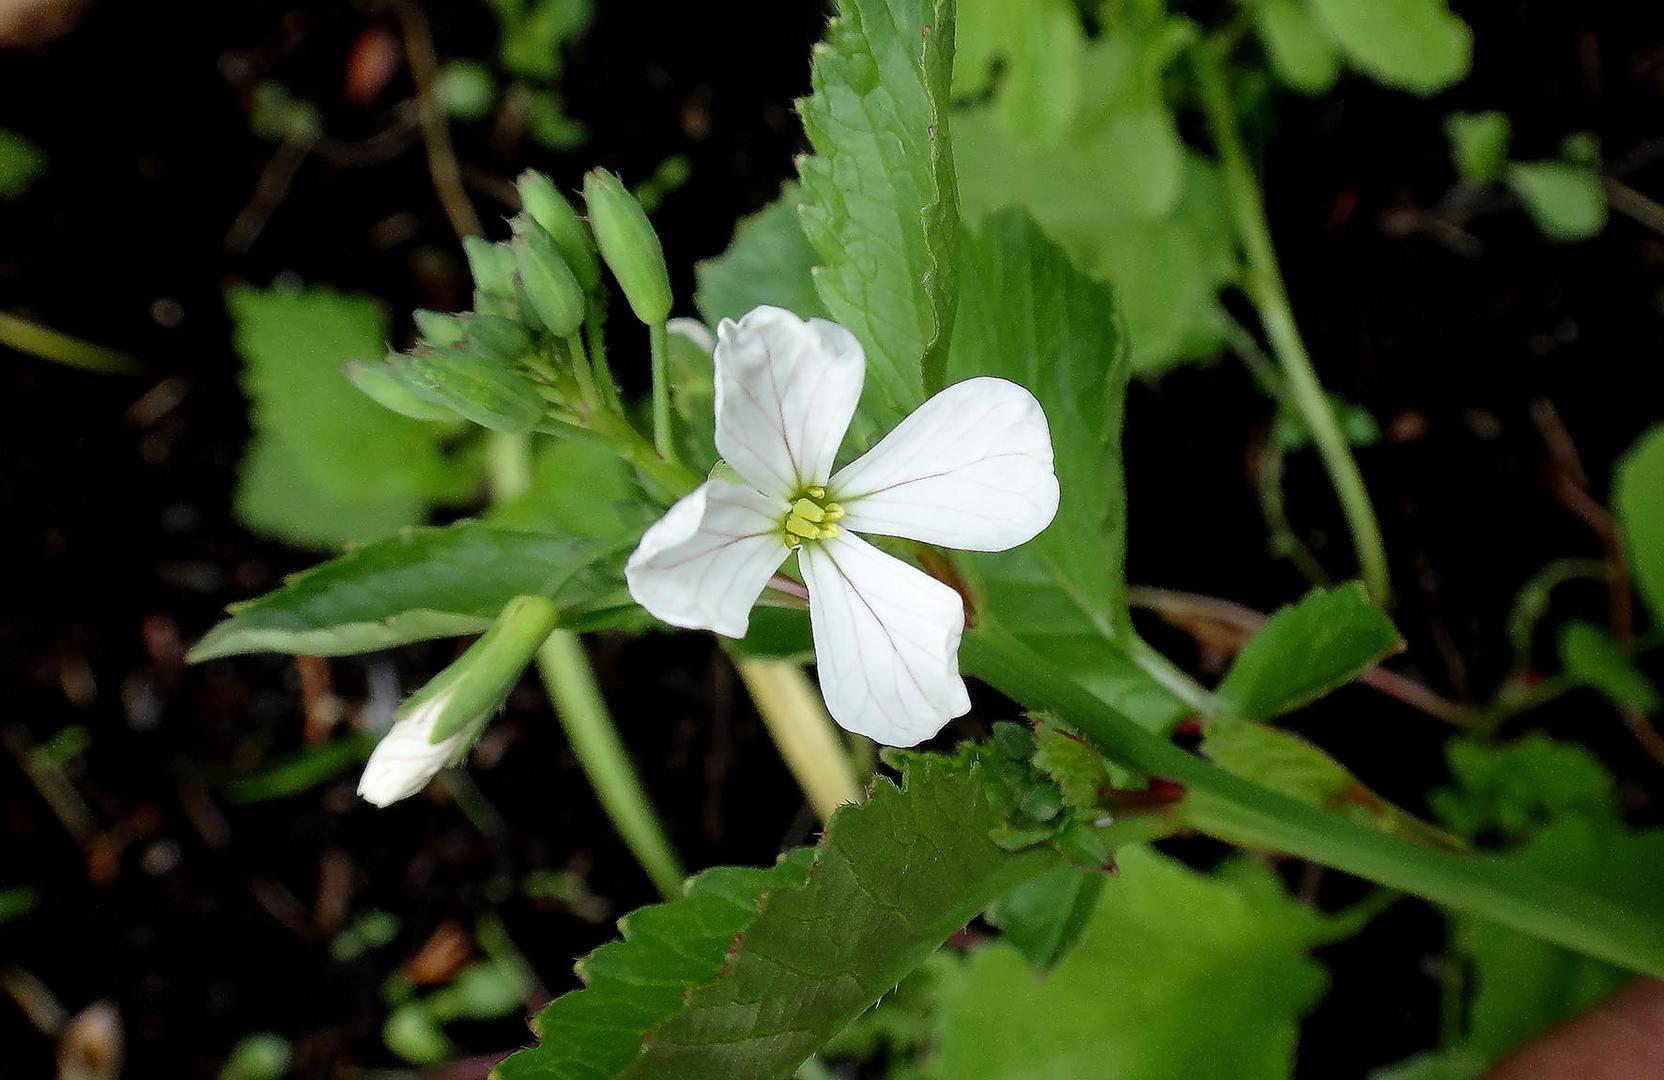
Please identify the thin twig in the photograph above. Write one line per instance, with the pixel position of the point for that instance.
(269, 192)
(1631, 203)
(436, 132)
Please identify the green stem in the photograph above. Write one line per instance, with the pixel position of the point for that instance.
(1245, 813)
(582, 712)
(570, 681)
(37, 340)
(803, 731)
(677, 479)
(582, 373)
(659, 338)
(1264, 286)
(594, 325)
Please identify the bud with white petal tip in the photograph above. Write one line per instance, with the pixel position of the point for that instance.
(436, 726)
(629, 245)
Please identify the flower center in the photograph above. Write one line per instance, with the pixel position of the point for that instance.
(811, 517)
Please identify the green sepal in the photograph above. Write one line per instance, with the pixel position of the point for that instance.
(386, 388)
(477, 386)
(476, 684)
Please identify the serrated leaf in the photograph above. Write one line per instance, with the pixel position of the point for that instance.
(327, 465)
(1123, 1005)
(752, 997)
(1415, 45)
(635, 984)
(879, 200)
(1591, 658)
(1638, 499)
(769, 261)
(1567, 201)
(423, 583)
(1306, 650)
(1029, 316)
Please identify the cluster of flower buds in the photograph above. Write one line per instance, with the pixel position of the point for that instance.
(518, 360)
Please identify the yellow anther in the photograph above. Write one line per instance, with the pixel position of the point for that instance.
(827, 532)
(834, 512)
(796, 526)
(815, 492)
(807, 510)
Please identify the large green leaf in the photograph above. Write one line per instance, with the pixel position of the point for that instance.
(423, 583)
(891, 879)
(1638, 498)
(1415, 45)
(879, 201)
(1042, 47)
(769, 261)
(1307, 650)
(1028, 315)
(327, 465)
(1179, 975)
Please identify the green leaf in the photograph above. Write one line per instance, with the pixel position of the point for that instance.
(1414, 45)
(1167, 270)
(1300, 50)
(776, 633)
(465, 89)
(1164, 939)
(1307, 650)
(424, 583)
(414, 1035)
(1638, 499)
(1290, 765)
(579, 487)
(1029, 316)
(17, 901)
(1591, 658)
(1042, 47)
(1518, 788)
(1566, 201)
(769, 261)
(21, 163)
(1479, 144)
(731, 993)
(327, 465)
(1453, 1064)
(879, 202)
(535, 31)
(263, 1055)
(634, 985)
(1044, 919)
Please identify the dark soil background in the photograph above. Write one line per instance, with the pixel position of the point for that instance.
(204, 920)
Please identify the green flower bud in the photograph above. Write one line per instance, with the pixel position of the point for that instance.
(499, 337)
(547, 283)
(492, 266)
(629, 245)
(437, 329)
(386, 388)
(474, 384)
(546, 206)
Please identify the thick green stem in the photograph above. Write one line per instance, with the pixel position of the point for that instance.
(570, 681)
(576, 698)
(659, 338)
(1245, 813)
(1264, 286)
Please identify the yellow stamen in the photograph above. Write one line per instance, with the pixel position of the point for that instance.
(796, 526)
(834, 512)
(827, 532)
(807, 510)
(815, 492)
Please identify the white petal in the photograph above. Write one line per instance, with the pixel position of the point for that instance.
(404, 761)
(971, 468)
(886, 641)
(785, 392)
(705, 562)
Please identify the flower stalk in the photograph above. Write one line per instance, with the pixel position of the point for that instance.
(803, 731)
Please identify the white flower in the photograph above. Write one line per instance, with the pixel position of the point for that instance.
(404, 761)
(971, 468)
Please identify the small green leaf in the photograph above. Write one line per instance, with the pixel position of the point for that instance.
(484, 990)
(769, 261)
(1414, 45)
(262, 1055)
(1479, 145)
(1306, 650)
(1591, 658)
(1518, 788)
(328, 465)
(1300, 50)
(413, 1034)
(1566, 201)
(879, 202)
(424, 583)
(534, 33)
(1031, 317)
(303, 770)
(1124, 1004)
(1043, 919)
(21, 163)
(1042, 47)
(1638, 499)
(17, 901)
